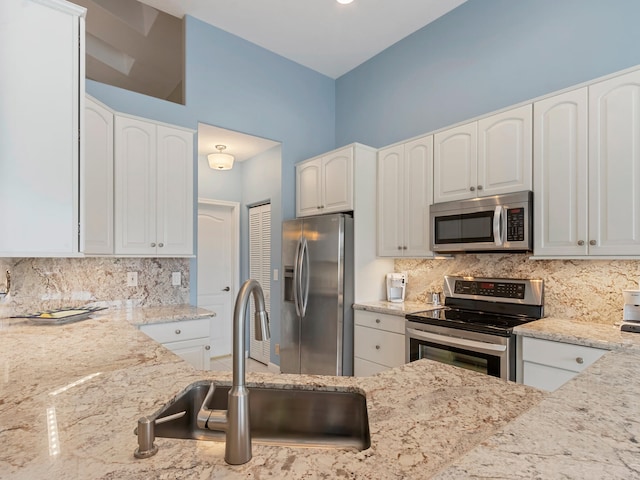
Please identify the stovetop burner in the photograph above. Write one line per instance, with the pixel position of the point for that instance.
(486, 305)
(470, 320)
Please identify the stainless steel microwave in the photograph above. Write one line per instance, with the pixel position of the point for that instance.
(485, 224)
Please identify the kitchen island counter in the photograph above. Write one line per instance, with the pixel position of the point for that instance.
(72, 394)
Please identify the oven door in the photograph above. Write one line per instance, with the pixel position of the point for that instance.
(488, 354)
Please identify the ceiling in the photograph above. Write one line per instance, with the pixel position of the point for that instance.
(323, 35)
(138, 48)
(240, 145)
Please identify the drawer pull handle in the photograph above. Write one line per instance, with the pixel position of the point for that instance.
(178, 331)
(580, 360)
(377, 347)
(377, 320)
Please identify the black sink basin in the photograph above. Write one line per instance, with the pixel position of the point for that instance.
(287, 416)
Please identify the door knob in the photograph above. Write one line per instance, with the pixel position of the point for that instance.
(226, 289)
(473, 189)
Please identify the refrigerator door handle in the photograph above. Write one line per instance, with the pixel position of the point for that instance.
(304, 274)
(296, 280)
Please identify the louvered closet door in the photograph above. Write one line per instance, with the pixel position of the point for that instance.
(260, 270)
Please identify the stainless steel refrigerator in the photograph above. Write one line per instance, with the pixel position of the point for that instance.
(317, 314)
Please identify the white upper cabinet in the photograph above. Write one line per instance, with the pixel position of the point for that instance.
(325, 184)
(96, 211)
(505, 152)
(587, 170)
(487, 157)
(404, 194)
(42, 85)
(455, 163)
(560, 174)
(614, 166)
(153, 188)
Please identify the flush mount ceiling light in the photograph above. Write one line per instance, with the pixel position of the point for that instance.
(344, 2)
(220, 161)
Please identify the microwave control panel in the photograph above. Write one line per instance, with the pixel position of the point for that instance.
(515, 225)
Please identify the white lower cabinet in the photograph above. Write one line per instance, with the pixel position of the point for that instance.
(548, 365)
(378, 342)
(189, 339)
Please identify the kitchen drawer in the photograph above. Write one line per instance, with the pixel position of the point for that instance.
(177, 331)
(378, 346)
(389, 323)
(365, 368)
(545, 377)
(566, 356)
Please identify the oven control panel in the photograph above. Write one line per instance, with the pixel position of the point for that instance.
(490, 288)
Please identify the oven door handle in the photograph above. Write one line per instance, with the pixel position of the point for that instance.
(480, 347)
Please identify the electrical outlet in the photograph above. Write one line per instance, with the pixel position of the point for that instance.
(176, 279)
(277, 349)
(132, 279)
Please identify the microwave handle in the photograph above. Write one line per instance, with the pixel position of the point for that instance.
(498, 227)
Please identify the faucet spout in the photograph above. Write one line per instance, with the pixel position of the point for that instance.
(238, 442)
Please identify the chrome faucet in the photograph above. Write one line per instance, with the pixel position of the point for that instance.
(235, 420)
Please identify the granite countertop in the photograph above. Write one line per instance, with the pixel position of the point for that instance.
(72, 394)
(395, 308)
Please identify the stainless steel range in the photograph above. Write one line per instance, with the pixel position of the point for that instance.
(474, 328)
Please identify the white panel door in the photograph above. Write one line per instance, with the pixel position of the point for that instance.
(337, 181)
(217, 243)
(135, 186)
(308, 188)
(560, 174)
(614, 166)
(418, 196)
(455, 163)
(260, 270)
(505, 152)
(174, 225)
(97, 179)
(389, 197)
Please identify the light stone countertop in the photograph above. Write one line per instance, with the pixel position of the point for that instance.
(395, 308)
(72, 394)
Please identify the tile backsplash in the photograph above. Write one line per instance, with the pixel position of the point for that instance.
(46, 283)
(582, 290)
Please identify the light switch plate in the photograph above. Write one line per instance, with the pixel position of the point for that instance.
(176, 279)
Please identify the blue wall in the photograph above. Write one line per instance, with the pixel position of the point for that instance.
(480, 57)
(234, 84)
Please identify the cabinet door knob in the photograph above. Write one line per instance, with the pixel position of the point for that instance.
(318, 207)
(580, 360)
(153, 244)
(161, 245)
(377, 347)
(399, 247)
(377, 320)
(178, 331)
(580, 242)
(592, 242)
(479, 187)
(404, 247)
(208, 347)
(473, 189)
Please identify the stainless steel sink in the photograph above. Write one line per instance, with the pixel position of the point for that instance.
(289, 416)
